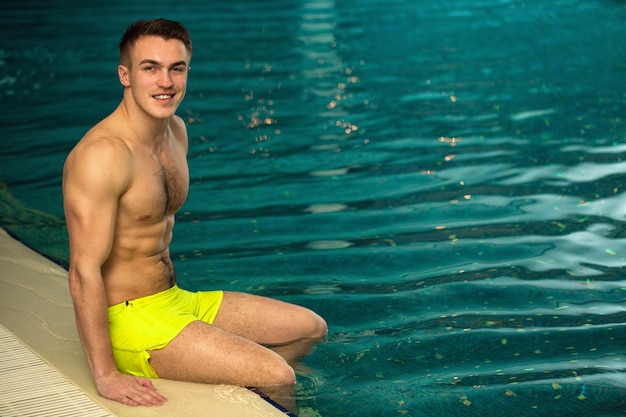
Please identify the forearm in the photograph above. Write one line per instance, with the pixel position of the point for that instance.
(92, 322)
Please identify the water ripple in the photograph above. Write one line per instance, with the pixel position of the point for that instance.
(443, 182)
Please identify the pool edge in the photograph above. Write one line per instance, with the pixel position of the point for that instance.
(36, 309)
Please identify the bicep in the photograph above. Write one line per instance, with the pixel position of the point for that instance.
(92, 187)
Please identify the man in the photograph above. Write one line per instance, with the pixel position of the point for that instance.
(122, 184)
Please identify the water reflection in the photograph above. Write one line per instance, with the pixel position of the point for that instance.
(442, 182)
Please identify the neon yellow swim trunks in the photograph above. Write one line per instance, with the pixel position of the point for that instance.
(151, 322)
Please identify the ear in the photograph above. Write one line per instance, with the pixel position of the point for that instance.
(124, 74)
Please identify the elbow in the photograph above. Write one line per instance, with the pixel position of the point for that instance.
(81, 282)
(74, 283)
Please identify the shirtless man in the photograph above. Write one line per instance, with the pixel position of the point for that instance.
(122, 185)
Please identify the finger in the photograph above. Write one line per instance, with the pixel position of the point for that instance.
(145, 393)
(139, 399)
(146, 383)
(129, 401)
(153, 391)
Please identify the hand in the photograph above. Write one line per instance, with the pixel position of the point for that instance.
(129, 390)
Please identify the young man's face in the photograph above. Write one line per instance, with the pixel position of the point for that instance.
(157, 75)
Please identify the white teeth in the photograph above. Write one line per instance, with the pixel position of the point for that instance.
(163, 97)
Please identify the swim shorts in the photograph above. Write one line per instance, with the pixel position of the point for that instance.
(149, 323)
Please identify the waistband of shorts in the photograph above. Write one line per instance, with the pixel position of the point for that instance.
(144, 301)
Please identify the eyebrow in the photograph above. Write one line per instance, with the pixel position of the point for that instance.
(153, 62)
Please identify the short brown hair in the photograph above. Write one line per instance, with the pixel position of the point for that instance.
(167, 29)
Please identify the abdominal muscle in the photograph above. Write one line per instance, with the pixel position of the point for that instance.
(139, 263)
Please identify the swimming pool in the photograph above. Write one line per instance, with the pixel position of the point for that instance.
(443, 182)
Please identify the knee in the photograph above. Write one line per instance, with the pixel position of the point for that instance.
(284, 374)
(322, 328)
(319, 328)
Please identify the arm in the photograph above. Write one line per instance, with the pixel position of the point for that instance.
(95, 175)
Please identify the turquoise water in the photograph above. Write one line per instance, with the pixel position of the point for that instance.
(442, 181)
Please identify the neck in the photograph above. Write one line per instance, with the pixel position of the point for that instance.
(144, 127)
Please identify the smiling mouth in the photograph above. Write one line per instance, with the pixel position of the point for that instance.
(163, 96)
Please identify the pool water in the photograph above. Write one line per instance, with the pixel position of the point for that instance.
(442, 181)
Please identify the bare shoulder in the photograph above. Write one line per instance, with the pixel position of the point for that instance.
(178, 123)
(99, 159)
(179, 129)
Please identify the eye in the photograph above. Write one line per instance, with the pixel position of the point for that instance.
(180, 68)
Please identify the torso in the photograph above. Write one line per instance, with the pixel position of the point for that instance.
(139, 263)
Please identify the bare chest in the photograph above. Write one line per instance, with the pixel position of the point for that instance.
(160, 186)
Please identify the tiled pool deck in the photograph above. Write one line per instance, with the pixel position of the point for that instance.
(43, 370)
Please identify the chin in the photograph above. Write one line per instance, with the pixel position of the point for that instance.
(163, 114)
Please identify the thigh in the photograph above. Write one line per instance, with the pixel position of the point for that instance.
(267, 321)
(206, 354)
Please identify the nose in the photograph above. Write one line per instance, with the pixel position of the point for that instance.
(165, 79)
